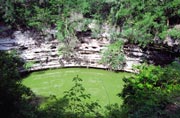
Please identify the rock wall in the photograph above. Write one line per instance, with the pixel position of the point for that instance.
(42, 51)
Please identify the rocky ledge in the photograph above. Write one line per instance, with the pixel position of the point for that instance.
(42, 52)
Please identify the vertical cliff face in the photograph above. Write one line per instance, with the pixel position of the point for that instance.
(42, 51)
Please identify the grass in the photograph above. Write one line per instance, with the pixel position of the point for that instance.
(102, 85)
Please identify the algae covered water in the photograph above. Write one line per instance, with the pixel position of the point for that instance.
(101, 84)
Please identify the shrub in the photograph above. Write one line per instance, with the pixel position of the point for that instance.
(147, 19)
(14, 97)
(113, 56)
(148, 93)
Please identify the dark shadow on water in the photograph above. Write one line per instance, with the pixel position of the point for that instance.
(59, 108)
(76, 103)
(27, 73)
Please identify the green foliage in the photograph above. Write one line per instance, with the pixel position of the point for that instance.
(41, 18)
(9, 63)
(75, 104)
(8, 11)
(14, 97)
(16, 12)
(67, 33)
(115, 111)
(174, 33)
(142, 21)
(28, 65)
(75, 95)
(113, 56)
(41, 13)
(78, 101)
(148, 93)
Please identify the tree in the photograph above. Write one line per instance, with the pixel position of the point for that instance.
(14, 97)
(148, 93)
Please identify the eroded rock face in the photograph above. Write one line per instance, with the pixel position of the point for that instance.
(44, 54)
(42, 51)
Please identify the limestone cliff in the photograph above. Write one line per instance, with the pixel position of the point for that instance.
(42, 51)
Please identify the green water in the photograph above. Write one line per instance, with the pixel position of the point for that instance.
(101, 84)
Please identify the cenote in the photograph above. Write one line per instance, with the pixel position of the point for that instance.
(103, 85)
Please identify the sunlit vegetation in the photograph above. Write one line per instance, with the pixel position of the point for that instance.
(149, 93)
(140, 20)
(153, 92)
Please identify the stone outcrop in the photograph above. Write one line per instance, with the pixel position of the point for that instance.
(42, 50)
(44, 54)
